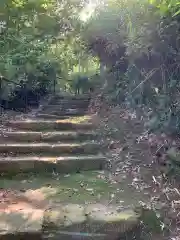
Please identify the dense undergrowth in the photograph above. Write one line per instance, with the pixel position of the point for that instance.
(139, 43)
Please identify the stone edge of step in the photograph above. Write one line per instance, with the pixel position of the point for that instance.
(5, 133)
(64, 113)
(51, 136)
(52, 159)
(48, 122)
(40, 121)
(50, 116)
(66, 164)
(52, 145)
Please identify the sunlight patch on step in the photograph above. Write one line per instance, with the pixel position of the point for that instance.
(77, 120)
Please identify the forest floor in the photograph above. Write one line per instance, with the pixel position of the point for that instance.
(136, 159)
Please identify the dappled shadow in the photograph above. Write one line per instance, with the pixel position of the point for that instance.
(28, 198)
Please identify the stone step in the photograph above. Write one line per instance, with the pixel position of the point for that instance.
(21, 223)
(60, 107)
(41, 125)
(56, 235)
(55, 136)
(50, 149)
(73, 119)
(69, 102)
(83, 97)
(56, 207)
(71, 221)
(66, 164)
(91, 220)
(66, 112)
(50, 116)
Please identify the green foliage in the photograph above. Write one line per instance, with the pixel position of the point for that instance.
(40, 41)
(124, 23)
(167, 7)
(149, 33)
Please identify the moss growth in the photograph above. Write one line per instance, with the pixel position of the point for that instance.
(76, 188)
(79, 188)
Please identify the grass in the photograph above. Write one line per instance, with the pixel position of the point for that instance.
(80, 188)
(75, 188)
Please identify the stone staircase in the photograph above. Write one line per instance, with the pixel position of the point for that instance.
(39, 154)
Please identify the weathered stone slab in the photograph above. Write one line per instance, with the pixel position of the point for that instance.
(78, 236)
(50, 148)
(106, 219)
(21, 223)
(64, 106)
(70, 217)
(65, 112)
(41, 125)
(55, 136)
(64, 164)
(50, 116)
(83, 97)
(69, 101)
(84, 221)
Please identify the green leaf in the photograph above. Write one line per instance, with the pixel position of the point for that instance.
(176, 13)
(164, 9)
(152, 1)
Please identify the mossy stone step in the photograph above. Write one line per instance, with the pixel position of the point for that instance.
(71, 196)
(54, 136)
(68, 100)
(50, 149)
(73, 119)
(47, 116)
(62, 107)
(67, 222)
(77, 235)
(76, 119)
(68, 103)
(72, 97)
(34, 125)
(82, 188)
(65, 112)
(93, 218)
(43, 203)
(66, 164)
(25, 224)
